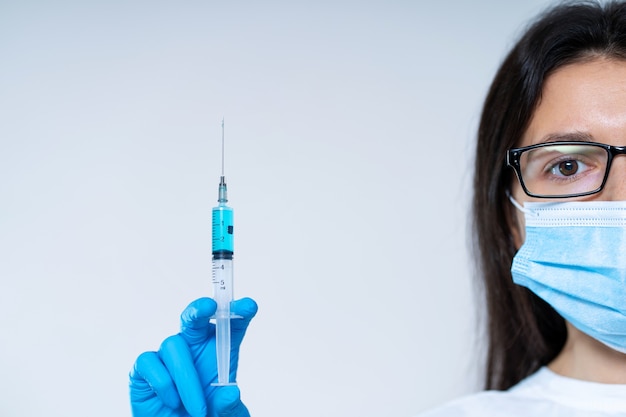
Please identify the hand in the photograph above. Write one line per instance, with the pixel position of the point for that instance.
(176, 380)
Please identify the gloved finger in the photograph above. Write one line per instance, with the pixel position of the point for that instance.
(227, 403)
(246, 308)
(194, 320)
(175, 354)
(148, 378)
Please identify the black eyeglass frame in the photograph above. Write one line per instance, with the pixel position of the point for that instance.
(513, 157)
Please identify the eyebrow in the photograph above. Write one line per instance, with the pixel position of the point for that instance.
(567, 137)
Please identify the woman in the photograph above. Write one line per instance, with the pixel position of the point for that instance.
(557, 329)
(564, 81)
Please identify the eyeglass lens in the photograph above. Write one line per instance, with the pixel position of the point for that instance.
(557, 170)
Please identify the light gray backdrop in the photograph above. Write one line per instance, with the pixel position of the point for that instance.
(349, 130)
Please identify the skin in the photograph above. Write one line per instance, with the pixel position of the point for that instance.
(588, 98)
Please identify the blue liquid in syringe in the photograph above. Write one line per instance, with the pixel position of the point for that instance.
(222, 231)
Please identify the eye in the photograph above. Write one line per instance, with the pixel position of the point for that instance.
(567, 168)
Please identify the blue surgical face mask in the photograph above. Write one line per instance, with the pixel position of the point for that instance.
(574, 258)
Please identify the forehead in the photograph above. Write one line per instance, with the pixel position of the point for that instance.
(586, 98)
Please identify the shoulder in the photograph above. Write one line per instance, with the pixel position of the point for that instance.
(524, 399)
(482, 404)
(541, 394)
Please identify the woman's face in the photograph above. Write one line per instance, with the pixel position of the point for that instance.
(587, 98)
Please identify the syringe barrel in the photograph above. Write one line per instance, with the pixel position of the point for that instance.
(222, 249)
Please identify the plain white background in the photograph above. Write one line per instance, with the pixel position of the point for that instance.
(349, 129)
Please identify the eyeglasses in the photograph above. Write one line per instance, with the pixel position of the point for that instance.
(563, 169)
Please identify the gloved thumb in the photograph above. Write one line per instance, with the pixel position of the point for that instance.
(227, 403)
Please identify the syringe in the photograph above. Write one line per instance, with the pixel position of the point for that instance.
(222, 248)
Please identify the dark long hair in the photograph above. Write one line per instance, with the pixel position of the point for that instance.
(524, 332)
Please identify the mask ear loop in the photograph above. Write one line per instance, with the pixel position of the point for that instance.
(520, 207)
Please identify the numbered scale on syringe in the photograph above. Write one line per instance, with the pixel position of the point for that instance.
(222, 281)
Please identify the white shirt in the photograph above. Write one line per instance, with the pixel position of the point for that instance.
(543, 394)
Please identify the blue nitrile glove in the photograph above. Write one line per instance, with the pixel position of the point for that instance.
(176, 380)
